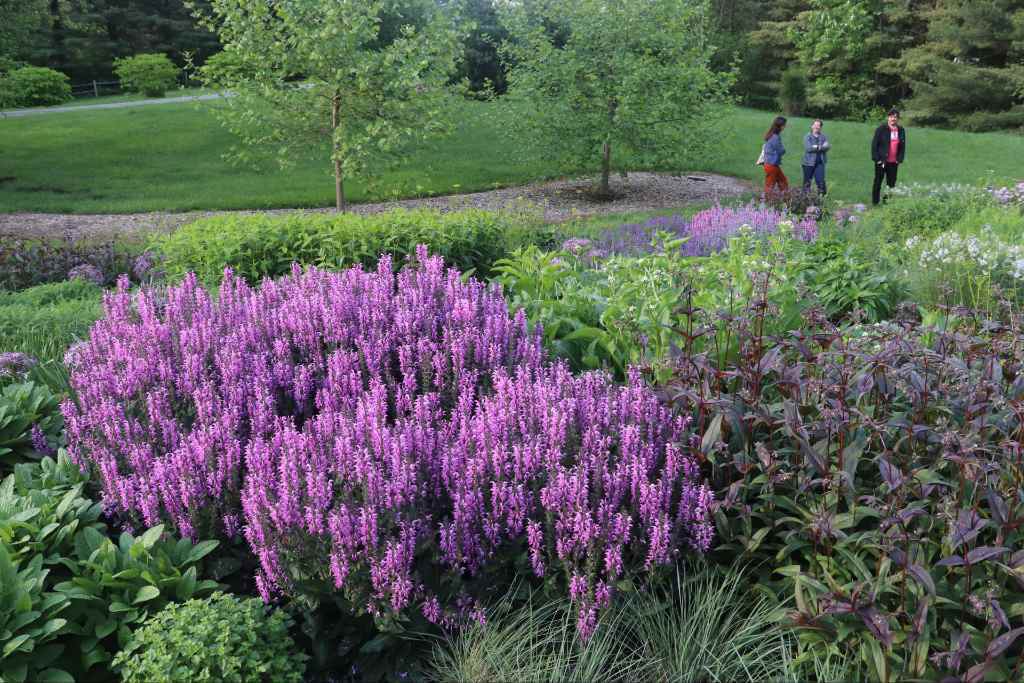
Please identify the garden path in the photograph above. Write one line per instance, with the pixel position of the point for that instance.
(560, 200)
(17, 113)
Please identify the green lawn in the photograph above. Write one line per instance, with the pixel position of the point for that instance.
(170, 158)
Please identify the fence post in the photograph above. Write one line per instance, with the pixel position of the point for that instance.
(95, 89)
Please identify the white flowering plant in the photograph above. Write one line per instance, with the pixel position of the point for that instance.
(976, 268)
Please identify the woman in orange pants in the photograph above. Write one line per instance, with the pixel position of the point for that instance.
(775, 181)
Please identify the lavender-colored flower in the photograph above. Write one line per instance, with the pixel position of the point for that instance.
(39, 441)
(707, 232)
(87, 272)
(143, 266)
(368, 415)
(576, 245)
(15, 364)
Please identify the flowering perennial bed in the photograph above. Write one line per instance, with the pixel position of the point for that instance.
(707, 231)
(386, 432)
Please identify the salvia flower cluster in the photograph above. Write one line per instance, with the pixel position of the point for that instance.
(387, 433)
(707, 232)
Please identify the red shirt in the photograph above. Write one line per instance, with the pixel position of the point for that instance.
(894, 144)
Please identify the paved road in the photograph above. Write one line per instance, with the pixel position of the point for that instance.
(109, 105)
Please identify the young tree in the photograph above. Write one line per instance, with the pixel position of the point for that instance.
(603, 84)
(364, 78)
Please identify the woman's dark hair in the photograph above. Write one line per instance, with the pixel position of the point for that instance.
(776, 128)
(895, 111)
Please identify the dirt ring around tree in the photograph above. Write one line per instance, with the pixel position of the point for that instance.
(560, 200)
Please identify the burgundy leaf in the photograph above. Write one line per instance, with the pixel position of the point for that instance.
(976, 673)
(920, 618)
(968, 525)
(997, 610)
(998, 506)
(922, 576)
(892, 476)
(951, 561)
(877, 624)
(1017, 559)
(999, 645)
(985, 552)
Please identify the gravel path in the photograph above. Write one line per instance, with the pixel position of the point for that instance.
(18, 113)
(560, 200)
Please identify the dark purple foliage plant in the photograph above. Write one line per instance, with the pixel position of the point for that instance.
(396, 440)
(881, 474)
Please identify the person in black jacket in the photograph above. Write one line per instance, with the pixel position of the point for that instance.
(888, 148)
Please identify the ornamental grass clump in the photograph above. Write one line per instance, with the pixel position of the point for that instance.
(398, 439)
(707, 232)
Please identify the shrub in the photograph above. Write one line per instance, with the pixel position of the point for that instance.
(259, 246)
(623, 311)
(926, 210)
(879, 473)
(36, 86)
(149, 74)
(29, 261)
(52, 534)
(464, 452)
(30, 423)
(220, 638)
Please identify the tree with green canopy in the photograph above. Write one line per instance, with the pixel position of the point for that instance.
(601, 85)
(365, 79)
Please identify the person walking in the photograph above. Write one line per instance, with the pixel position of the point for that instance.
(816, 146)
(888, 148)
(775, 180)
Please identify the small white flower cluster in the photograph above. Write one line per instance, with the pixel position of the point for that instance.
(985, 251)
(931, 189)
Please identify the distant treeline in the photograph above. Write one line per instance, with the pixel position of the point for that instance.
(957, 63)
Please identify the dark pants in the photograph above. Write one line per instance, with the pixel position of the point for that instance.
(889, 171)
(818, 173)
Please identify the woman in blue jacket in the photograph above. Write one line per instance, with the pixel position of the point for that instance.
(816, 146)
(774, 179)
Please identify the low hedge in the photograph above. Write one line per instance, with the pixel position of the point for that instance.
(257, 246)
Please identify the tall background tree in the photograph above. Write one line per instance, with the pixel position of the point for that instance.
(360, 81)
(603, 86)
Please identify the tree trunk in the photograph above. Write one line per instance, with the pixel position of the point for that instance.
(606, 167)
(339, 180)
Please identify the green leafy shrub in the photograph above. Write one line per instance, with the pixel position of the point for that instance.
(51, 532)
(632, 310)
(31, 424)
(221, 638)
(29, 623)
(36, 86)
(923, 210)
(259, 246)
(149, 74)
(843, 281)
